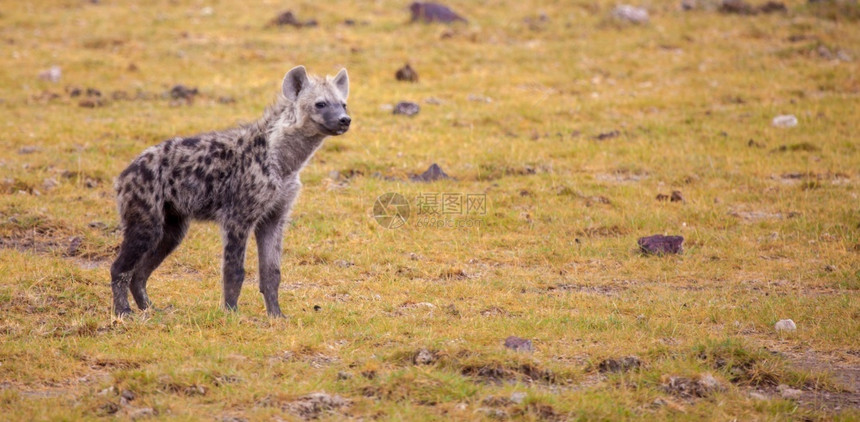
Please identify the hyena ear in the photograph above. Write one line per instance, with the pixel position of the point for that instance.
(341, 81)
(294, 82)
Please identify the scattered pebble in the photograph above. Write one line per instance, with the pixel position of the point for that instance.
(341, 376)
(755, 395)
(830, 268)
(182, 92)
(52, 75)
(660, 245)
(429, 12)
(518, 344)
(287, 18)
(785, 325)
(424, 357)
(702, 386)
(406, 108)
(407, 74)
(433, 173)
(478, 98)
(789, 393)
(143, 412)
(74, 247)
(314, 405)
(50, 183)
(632, 14)
(785, 121)
(738, 7)
(607, 135)
(622, 364)
(29, 149)
(518, 397)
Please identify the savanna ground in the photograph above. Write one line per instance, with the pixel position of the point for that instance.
(512, 106)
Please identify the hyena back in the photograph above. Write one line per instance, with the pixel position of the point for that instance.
(246, 179)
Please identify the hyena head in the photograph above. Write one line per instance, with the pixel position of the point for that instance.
(320, 102)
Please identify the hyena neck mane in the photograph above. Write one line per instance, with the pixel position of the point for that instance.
(290, 142)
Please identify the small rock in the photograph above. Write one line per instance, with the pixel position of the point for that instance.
(182, 92)
(632, 14)
(676, 196)
(789, 393)
(407, 74)
(429, 12)
(785, 325)
(128, 395)
(52, 75)
(739, 7)
(433, 173)
(757, 396)
(287, 18)
(74, 247)
(342, 376)
(518, 344)
(772, 7)
(703, 386)
(342, 263)
(226, 100)
(830, 268)
(423, 357)
(50, 183)
(607, 135)
(518, 397)
(28, 150)
(478, 98)
(406, 108)
(660, 245)
(143, 412)
(91, 102)
(107, 391)
(662, 197)
(785, 121)
(622, 364)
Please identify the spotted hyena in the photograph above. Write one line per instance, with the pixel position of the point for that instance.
(245, 178)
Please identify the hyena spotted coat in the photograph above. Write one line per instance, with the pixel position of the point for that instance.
(246, 179)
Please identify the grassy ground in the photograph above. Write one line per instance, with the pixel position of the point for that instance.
(516, 104)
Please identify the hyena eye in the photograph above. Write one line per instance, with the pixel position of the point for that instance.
(344, 105)
(320, 104)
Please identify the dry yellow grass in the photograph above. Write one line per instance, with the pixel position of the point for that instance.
(770, 215)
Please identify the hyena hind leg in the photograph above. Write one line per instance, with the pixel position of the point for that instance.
(139, 239)
(173, 231)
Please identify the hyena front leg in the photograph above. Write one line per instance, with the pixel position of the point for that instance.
(270, 233)
(235, 243)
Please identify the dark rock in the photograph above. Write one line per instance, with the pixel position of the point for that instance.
(518, 344)
(74, 246)
(676, 196)
(660, 245)
(622, 364)
(92, 102)
(433, 173)
(773, 7)
(429, 12)
(406, 108)
(128, 395)
(607, 135)
(74, 91)
(182, 92)
(29, 149)
(406, 73)
(662, 197)
(92, 92)
(738, 7)
(289, 19)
